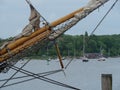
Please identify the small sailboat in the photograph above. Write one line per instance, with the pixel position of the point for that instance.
(84, 58)
(101, 58)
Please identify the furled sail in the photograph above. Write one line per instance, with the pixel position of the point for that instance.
(20, 47)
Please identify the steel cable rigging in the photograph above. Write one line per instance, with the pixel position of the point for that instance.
(50, 80)
(42, 74)
(103, 17)
(26, 80)
(100, 22)
(36, 76)
(44, 78)
(13, 75)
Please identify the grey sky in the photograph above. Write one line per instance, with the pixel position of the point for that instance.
(14, 16)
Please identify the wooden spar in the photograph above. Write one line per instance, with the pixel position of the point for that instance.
(22, 40)
(25, 45)
(59, 55)
(80, 13)
(15, 45)
(65, 18)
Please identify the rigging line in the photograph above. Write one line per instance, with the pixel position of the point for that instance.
(29, 2)
(44, 78)
(14, 74)
(28, 80)
(68, 63)
(43, 74)
(104, 17)
(101, 21)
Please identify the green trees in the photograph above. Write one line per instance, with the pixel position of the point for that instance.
(72, 45)
(109, 45)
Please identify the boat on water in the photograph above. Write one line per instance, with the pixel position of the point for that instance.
(84, 58)
(102, 59)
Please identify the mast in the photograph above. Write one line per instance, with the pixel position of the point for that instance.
(83, 45)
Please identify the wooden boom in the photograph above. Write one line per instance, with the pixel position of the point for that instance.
(22, 43)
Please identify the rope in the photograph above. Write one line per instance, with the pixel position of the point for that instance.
(56, 71)
(29, 2)
(43, 74)
(47, 79)
(101, 21)
(44, 78)
(13, 74)
(104, 17)
(68, 63)
(96, 27)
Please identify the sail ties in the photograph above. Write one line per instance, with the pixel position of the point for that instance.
(36, 20)
(91, 6)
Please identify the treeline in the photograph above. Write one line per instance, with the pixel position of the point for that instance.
(108, 45)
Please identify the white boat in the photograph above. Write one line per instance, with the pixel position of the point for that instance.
(84, 59)
(102, 59)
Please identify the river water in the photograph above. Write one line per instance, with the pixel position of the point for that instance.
(83, 75)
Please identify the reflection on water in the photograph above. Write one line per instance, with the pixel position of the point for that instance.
(83, 75)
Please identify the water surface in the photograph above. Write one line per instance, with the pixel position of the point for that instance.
(83, 75)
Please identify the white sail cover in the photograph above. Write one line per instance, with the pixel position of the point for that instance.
(91, 6)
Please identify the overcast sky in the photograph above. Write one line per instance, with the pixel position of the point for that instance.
(14, 16)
